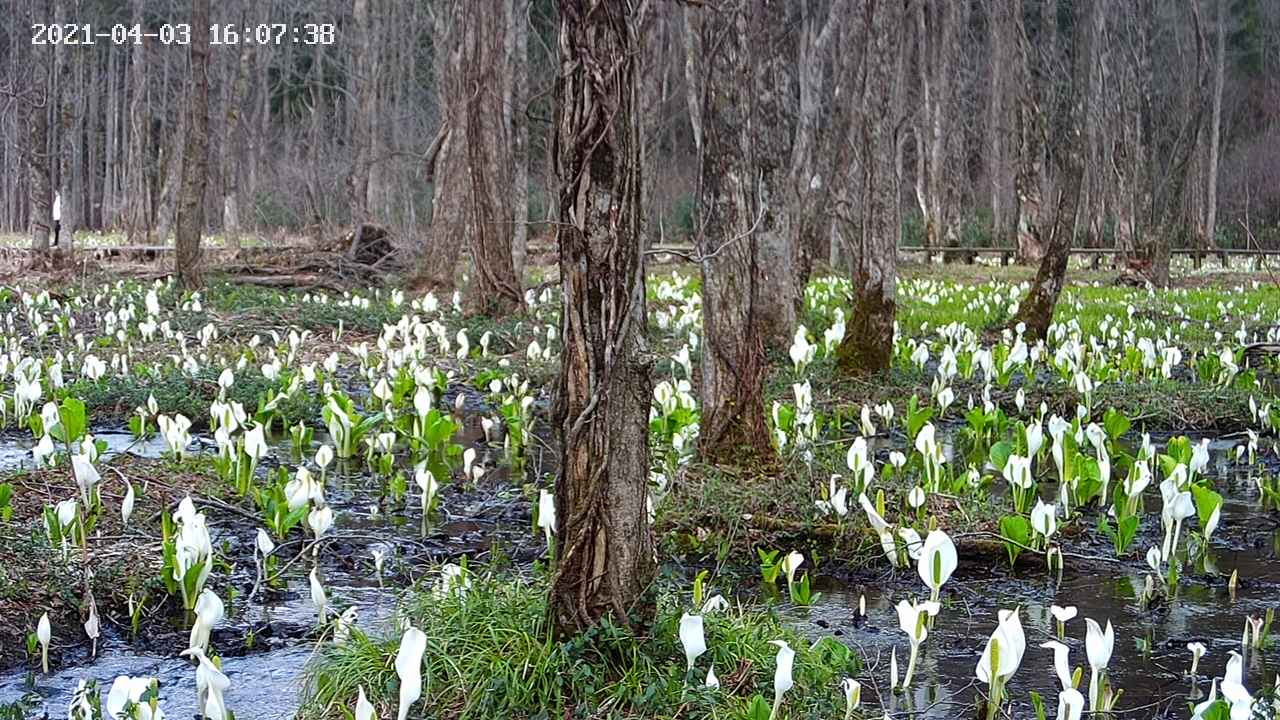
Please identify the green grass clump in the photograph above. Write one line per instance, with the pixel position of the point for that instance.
(490, 654)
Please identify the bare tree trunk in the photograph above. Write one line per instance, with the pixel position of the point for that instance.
(64, 145)
(137, 190)
(195, 156)
(230, 170)
(1000, 162)
(604, 543)
(1036, 309)
(939, 27)
(40, 189)
(1215, 129)
(447, 164)
(1035, 100)
(519, 133)
(739, 165)
(868, 342)
(357, 181)
(494, 290)
(809, 179)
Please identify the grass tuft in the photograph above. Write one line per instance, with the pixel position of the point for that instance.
(490, 654)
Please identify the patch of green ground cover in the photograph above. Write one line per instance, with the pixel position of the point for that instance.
(289, 310)
(490, 655)
(114, 398)
(727, 515)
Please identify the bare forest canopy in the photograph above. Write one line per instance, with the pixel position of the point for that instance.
(1180, 136)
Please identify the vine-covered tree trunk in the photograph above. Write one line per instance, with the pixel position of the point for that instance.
(604, 544)
(868, 340)
(195, 156)
(737, 232)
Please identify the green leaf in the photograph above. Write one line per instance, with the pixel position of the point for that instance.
(1038, 704)
(1115, 423)
(999, 454)
(758, 709)
(1206, 502)
(1126, 529)
(73, 419)
(1015, 530)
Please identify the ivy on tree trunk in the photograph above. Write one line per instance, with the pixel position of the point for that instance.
(604, 546)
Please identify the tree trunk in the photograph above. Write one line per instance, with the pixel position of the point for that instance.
(519, 133)
(1215, 129)
(604, 543)
(195, 155)
(999, 121)
(1036, 309)
(63, 144)
(868, 341)
(137, 188)
(494, 289)
(365, 80)
(809, 180)
(37, 154)
(230, 169)
(1035, 96)
(446, 166)
(939, 28)
(737, 229)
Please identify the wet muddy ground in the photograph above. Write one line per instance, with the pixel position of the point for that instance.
(267, 641)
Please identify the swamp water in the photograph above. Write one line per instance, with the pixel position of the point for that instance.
(1149, 661)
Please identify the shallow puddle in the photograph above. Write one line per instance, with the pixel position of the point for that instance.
(1150, 659)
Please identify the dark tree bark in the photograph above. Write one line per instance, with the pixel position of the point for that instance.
(604, 544)
(741, 166)
(195, 155)
(868, 341)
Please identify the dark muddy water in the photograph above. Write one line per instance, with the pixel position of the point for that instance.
(1150, 659)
